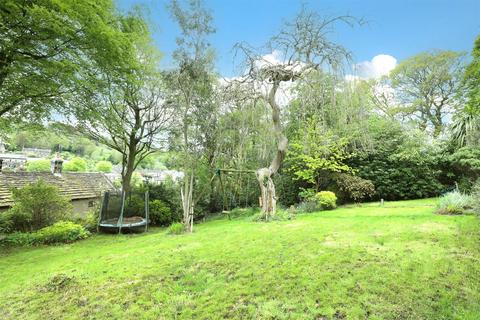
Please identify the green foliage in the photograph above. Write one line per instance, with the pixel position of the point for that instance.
(472, 80)
(160, 213)
(135, 205)
(307, 206)
(168, 193)
(355, 187)
(464, 164)
(13, 220)
(316, 154)
(50, 47)
(401, 164)
(176, 228)
(455, 202)
(427, 85)
(42, 165)
(60, 232)
(18, 239)
(90, 222)
(326, 200)
(37, 205)
(103, 166)
(76, 164)
(243, 212)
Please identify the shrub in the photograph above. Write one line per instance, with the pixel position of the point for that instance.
(134, 205)
(42, 165)
(90, 221)
(104, 166)
(454, 203)
(37, 205)
(76, 164)
(160, 214)
(401, 164)
(307, 207)
(355, 187)
(18, 239)
(176, 228)
(6, 223)
(326, 200)
(60, 232)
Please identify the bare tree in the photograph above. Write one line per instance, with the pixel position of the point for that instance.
(304, 46)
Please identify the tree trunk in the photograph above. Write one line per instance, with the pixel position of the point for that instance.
(268, 199)
(187, 203)
(127, 171)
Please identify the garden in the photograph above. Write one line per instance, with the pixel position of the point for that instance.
(140, 178)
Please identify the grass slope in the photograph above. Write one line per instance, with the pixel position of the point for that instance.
(396, 262)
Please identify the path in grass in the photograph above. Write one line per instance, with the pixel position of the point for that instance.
(396, 262)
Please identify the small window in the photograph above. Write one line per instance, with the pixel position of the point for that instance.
(91, 204)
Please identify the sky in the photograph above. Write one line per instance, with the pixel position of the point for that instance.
(395, 29)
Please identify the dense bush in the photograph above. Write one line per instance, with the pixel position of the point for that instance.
(176, 228)
(60, 232)
(454, 203)
(37, 205)
(464, 165)
(90, 221)
(160, 214)
(76, 164)
(6, 223)
(355, 187)
(167, 192)
(401, 165)
(42, 165)
(14, 220)
(104, 166)
(134, 205)
(326, 200)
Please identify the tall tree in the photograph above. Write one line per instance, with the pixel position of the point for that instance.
(45, 47)
(304, 47)
(466, 124)
(191, 88)
(427, 85)
(125, 108)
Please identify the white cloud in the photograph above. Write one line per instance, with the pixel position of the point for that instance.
(380, 65)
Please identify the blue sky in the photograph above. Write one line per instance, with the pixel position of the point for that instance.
(398, 28)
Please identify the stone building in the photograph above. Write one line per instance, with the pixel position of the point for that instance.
(83, 189)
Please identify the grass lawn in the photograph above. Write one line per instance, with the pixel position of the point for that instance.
(400, 261)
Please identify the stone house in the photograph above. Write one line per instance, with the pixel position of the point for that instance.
(83, 189)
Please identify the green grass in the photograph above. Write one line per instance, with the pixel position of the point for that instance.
(400, 261)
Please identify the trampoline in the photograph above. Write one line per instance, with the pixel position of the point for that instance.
(124, 212)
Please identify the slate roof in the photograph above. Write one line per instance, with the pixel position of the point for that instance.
(72, 185)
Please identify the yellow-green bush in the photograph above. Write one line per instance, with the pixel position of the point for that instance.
(326, 200)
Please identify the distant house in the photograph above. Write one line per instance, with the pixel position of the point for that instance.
(37, 152)
(12, 161)
(84, 189)
(160, 176)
